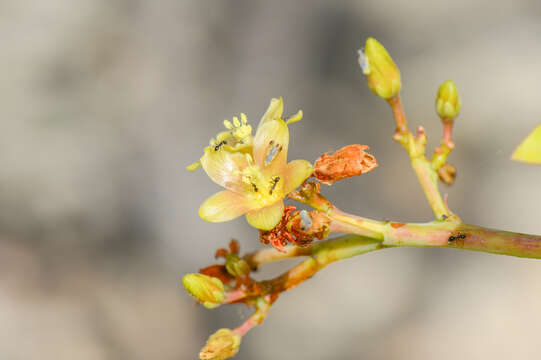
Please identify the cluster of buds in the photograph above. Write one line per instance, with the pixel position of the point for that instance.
(447, 107)
(209, 286)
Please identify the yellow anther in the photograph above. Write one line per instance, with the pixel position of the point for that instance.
(243, 118)
(236, 121)
(228, 124)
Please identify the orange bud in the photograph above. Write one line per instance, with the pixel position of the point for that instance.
(351, 160)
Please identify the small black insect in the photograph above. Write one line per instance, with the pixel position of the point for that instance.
(274, 182)
(255, 187)
(453, 238)
(218, 146)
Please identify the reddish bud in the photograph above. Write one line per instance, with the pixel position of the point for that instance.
(351, 160)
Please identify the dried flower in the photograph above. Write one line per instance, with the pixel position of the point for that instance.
(349, 161)
(279, 236)
(307, 226)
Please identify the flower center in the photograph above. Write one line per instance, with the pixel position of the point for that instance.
(267, 190)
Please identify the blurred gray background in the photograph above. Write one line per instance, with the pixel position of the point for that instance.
(104, 103)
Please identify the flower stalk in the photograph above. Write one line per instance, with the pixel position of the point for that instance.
(257, 178)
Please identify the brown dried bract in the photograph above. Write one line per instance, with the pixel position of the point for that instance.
(351, 160)
(217, 271)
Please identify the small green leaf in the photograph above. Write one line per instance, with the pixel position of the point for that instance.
(529, 150)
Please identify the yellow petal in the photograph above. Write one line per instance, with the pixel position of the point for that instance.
(296, 172)
(270, 145)
(226, 205)
(224, 168)
(274, 111)
(529, 150)
(266, 218)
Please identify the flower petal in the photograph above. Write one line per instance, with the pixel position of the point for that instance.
(266, 218)
(274, 111)
(224, 168)
(270, 146)
(529, 150)
(225, 205)
(296, 172)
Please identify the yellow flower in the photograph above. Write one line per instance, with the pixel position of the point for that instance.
(257, 177)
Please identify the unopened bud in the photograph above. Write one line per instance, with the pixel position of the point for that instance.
(236, 266)
(221, 345)
(208, 290)
(351, 160)
(378, 66)
(448, 102)
(447, 174)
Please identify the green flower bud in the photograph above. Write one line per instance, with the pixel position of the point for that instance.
(236, 266)
(448, 102)
(378, 66)
(208, 290)
(221, 345)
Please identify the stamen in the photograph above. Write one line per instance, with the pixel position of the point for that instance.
(228, 124)
(272, 152)
(236, 121)
(306, 220)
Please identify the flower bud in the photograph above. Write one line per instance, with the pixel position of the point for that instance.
(448, 102)
(236, 266)
(351, 160)
(209, 291)
(221, 345)
(382, 73)
(447, 174)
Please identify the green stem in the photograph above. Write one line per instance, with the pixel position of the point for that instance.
(321, 255)
(415, 146)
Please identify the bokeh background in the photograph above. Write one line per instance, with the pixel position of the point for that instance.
(104, 103)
